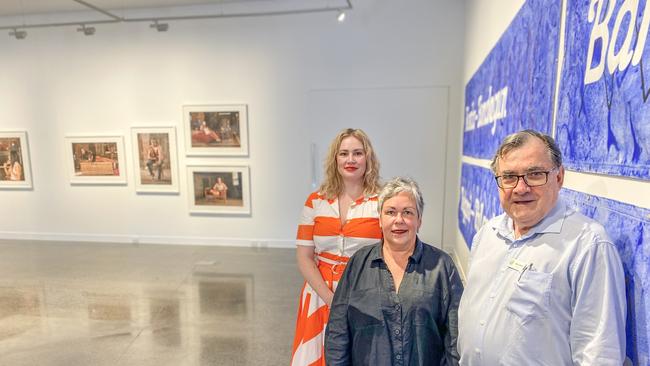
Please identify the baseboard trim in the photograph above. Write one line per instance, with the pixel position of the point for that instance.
(150, 239)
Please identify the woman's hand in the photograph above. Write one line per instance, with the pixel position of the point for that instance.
(305, 257)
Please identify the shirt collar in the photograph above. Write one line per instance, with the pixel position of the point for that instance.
(363, 198)
(551, 223)
(376, 253)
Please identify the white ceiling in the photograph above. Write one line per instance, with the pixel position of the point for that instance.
(28, 7)
(16, 14)
(20, 7)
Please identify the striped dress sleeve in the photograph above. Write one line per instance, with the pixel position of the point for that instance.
(305, 235)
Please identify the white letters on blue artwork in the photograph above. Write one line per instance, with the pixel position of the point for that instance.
(470, 211)
(513, 88)
(489, 112)
(479, 217)
(605, 88)
(465, 207)
(479, 200)
(600, 32)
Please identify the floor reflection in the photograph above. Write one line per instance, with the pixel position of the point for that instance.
(20, 311)
(109, 307)
(225, 295)
(19, 301)
(224, 349)
(145, 305)
(165, 315)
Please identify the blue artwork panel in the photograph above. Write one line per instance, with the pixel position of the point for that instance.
(629, 228)
(513, 88)
(603, 119)
(479, 200)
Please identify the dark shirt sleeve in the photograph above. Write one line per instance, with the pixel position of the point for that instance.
(338, 342)
(455, 290)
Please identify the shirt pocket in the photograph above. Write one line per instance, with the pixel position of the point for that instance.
(425, 306)
(531, 296)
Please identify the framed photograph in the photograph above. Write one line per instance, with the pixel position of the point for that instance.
(15, 166)
(216, 130)
(96, 159)
(219, 189)
(154, 154)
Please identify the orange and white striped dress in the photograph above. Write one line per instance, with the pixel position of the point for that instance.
(320, 227)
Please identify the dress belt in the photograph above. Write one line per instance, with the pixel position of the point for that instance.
(336, 266)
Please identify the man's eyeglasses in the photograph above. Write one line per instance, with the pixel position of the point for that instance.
(532, 179)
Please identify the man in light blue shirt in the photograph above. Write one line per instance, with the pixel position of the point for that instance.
(545, 284)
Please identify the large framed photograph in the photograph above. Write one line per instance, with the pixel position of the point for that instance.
(154, 154)
(219, 189)
(96, 159)
(15, 166)
(216, 130)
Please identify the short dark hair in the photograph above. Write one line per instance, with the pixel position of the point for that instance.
(518, 139)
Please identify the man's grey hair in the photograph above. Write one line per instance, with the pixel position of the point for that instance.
(518, 139)
(398, 185)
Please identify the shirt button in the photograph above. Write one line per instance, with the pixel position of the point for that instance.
(477, 350)
(482, 322)
(397, 331)
(399, 357)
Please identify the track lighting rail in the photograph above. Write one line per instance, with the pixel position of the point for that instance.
(117, 19)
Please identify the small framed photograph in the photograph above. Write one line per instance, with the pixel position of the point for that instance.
(216, 130)
(15, 166)
(219, 190)
(96, 159)
(154, 154)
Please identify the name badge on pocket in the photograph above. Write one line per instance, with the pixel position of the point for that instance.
(516, 265)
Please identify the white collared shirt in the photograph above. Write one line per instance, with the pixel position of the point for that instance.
(555, 296)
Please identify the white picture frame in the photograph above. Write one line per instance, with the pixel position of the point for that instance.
(155, 159)
(15, 163)
(219, 189)
(96, 159)
(216, 130)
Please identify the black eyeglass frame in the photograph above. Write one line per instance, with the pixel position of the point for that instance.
(523, 176)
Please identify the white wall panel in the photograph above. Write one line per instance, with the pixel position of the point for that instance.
(59, 82)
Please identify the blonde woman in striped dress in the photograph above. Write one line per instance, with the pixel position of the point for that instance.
(336, 221)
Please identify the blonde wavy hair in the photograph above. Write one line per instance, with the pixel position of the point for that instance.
(332, 186)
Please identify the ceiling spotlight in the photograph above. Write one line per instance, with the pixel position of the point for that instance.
(160, 27)
(19, 34)
(341, 16)
(88, 31)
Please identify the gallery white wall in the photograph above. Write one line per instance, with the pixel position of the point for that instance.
(391, 69)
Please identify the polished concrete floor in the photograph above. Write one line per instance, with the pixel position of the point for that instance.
(102, 304)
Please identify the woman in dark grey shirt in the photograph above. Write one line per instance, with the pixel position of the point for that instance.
(397, 301)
